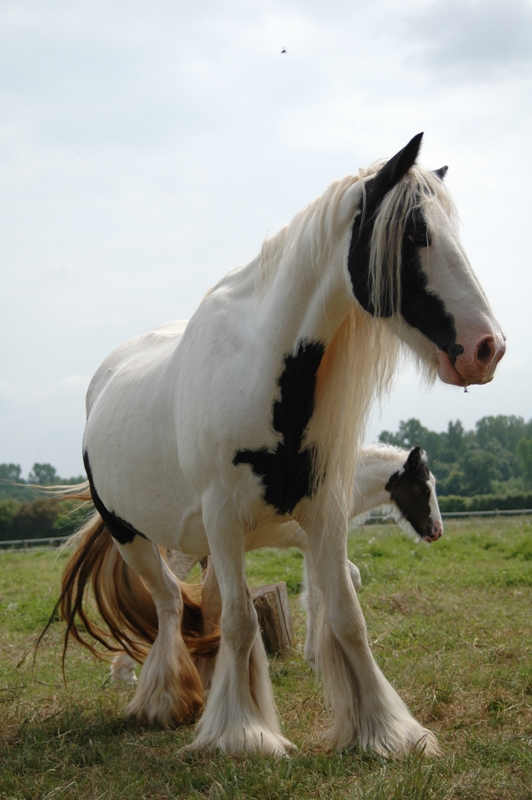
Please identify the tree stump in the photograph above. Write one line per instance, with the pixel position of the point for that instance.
(275, 620)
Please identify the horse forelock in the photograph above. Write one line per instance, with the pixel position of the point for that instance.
(419, 190)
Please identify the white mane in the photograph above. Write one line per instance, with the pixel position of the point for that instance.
(364, 345)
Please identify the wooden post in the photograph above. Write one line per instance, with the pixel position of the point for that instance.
(275, 620)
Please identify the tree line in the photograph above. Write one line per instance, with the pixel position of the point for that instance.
(487, 468)
(26, 514)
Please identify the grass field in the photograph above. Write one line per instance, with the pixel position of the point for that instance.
(451, 627)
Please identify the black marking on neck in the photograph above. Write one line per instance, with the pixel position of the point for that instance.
(287, 473)
(410, 490)
(420, 308)
(122, 531)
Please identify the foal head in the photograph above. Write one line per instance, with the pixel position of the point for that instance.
(413, 491)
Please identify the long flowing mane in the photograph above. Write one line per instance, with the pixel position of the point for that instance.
(357, 369)
(359, 364)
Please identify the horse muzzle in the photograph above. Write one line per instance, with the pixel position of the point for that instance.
(476, 365)
(433, 531)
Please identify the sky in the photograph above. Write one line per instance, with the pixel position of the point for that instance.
(146, 149)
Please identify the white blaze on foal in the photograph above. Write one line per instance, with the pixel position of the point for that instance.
(209, 437)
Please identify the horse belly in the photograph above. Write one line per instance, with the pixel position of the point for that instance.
(270, 535)
(130, 445)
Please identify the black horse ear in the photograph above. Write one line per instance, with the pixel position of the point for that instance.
(394, 169)
(414, 461)
(441, 172)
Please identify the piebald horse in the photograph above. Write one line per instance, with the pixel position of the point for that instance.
(208, 438)
(386, 477)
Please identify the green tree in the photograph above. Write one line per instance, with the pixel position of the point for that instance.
(454, 483)
(524, 455)
(506, 430)
(487, 460)
(43, 474)
(8, 513)
(480, 469)
(411, 433)
(36, 520)
(11, 472)
(454, 440)
(12, 484)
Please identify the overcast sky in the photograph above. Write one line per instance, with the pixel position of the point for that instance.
(147, 148)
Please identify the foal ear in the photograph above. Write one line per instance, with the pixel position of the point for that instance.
(394, 169)
(441, 172)
(414, 460)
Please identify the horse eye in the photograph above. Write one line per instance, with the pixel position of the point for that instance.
(421, 238)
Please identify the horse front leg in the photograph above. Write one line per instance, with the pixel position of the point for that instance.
(169, 690)
(366, 709)
(240, 714)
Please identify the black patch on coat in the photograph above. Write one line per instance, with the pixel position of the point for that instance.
(410, 490)
(122, 531)
(287, 473)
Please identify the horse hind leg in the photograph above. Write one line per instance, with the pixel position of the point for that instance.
(123, 669)
(169, 690)
(211, 611)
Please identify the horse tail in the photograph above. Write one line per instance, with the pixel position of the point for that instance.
(122, 600)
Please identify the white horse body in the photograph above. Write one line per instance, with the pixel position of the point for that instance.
(192, 435)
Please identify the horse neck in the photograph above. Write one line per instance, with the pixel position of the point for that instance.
(306, 303)
(374, 467)
(302, 286)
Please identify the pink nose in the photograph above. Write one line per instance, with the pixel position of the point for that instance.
(437, 530)
(477, 364)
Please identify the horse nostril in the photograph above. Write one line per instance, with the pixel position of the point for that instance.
(486, 350)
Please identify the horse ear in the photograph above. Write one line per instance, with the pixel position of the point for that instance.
(394, 169)
(414, 460)
(441, 172)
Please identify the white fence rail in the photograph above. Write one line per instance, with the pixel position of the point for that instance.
(55, 541)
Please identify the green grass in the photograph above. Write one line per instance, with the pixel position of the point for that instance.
(451, 627)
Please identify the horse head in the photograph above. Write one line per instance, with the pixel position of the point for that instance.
(413, 490)
(407, 265)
